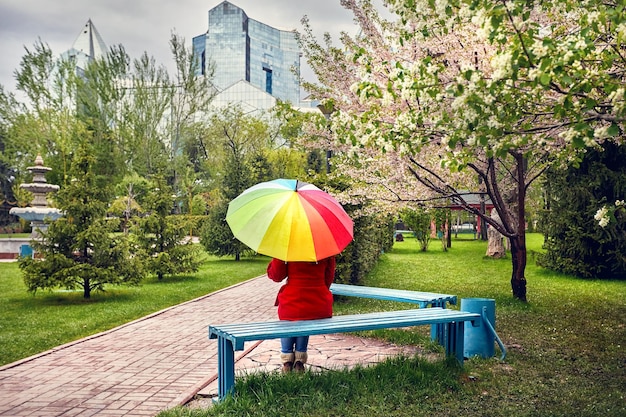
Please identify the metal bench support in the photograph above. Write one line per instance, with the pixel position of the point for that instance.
(231, 337)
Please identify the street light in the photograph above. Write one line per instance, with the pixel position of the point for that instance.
(327, 110)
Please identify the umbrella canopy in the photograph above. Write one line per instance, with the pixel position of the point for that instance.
(290, 220)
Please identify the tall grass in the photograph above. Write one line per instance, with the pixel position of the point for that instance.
(565, 349)
(31, 324)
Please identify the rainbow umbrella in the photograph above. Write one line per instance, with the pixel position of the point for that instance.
(290, 220)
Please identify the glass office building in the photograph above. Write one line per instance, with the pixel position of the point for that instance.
(87, 47)
(243, 49)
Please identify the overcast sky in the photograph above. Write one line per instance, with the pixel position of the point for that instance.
(144, 25)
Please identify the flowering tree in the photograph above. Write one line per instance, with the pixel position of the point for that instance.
(493, 90)
(606, 214)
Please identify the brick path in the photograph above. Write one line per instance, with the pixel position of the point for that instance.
(160, 361)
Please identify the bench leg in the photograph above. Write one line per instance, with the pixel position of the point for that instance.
(454, 343)
(225, 368)
(438, 331)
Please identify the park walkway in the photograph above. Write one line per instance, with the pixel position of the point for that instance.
(161, 360)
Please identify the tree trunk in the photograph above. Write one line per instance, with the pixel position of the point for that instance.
(518, 242)
(86, 288)
(495, 244)
(449, 230)
(518, 255)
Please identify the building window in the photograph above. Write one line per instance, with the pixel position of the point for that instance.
(268, 79)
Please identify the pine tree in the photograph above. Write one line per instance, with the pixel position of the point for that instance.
(162, 235)
(81, 249)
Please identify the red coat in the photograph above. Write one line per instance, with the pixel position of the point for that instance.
(305, 295)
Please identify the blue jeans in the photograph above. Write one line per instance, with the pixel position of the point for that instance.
(287, 344)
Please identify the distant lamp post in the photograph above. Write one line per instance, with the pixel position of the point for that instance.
(327, 110)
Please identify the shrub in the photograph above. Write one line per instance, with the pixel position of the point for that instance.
(575, 242)
(373, 235)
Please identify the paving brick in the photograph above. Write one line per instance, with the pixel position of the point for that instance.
(161, 360)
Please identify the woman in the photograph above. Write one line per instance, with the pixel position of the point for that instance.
(305, 296)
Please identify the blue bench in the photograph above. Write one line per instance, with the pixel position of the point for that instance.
(423, 299)
(231, 337)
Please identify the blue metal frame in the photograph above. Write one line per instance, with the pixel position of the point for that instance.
(232, 337)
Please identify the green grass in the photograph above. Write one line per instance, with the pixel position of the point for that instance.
(396, 387)
(31, 324)
(566, 353)
(14, 235)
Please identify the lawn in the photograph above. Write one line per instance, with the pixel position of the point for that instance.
(14, 235)
(34, 323)
(565, 356)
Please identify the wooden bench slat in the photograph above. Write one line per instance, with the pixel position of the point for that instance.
(408, 296)
(232, 337)
(421, 298)
(338, 324)
(345, 323)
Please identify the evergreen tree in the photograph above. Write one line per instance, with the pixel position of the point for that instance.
(81, 250)
(216, 236)
(162, 235)
(314, 161)
(576, 244)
